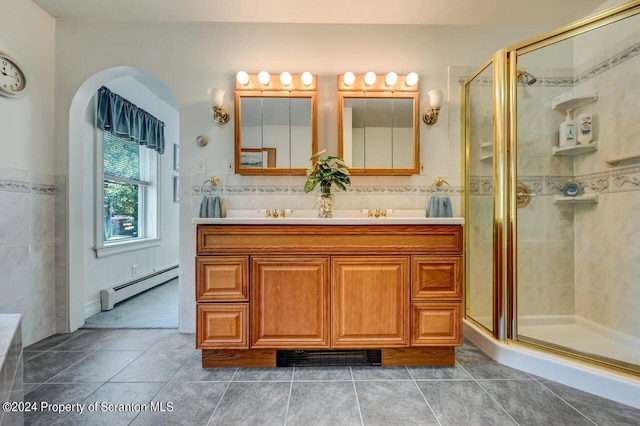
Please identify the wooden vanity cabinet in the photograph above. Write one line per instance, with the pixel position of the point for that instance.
(261, 288)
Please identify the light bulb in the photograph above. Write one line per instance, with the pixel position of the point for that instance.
(307, 78)
(264, 78)
(348, 78)
(242, 78)
(412, 79)
(369, 78)
(285, 78)
(391, 78)
(435, 98)
(216, 96)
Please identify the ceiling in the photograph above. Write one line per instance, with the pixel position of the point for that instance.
(552, 13)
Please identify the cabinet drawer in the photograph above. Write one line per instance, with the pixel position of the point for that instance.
(222, 325)
(222, 279)
(436, 277)
(436, 323)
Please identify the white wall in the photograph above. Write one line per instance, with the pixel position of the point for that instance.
(28, 194)
(191, 57)
(115, 269)
(27, 123)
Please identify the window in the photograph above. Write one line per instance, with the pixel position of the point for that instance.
(125, 182)
(129, 193)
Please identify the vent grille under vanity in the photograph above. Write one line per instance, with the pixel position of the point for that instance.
(329, 358)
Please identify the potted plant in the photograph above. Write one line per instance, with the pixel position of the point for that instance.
(326, 171)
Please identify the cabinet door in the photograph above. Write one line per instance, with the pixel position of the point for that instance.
(222, 325)
(222, 279)
(436, 277)
(290, 302)
(369, 301)
(436, 324)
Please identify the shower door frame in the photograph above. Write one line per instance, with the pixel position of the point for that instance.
(505, 108)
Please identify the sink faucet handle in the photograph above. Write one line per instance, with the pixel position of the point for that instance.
(283, 212)
(267, 212)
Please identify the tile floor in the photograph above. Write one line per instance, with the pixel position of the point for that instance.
(157, 377)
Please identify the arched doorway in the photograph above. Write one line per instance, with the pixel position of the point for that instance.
(81, 200)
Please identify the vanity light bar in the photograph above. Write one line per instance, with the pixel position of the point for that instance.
(286, 81)
(370, 82)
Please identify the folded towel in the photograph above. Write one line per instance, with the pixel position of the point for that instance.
(440, 206)
(210, 206)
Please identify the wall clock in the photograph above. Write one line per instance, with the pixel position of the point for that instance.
(13, 80)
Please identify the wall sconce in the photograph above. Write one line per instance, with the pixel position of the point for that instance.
(430, 117)
(220, 115)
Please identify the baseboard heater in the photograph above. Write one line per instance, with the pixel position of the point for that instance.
(371, 357)
(110, 296)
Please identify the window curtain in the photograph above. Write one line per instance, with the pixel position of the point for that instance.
(125, 120)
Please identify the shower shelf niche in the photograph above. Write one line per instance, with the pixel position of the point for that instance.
(569, 100)
(486, 151)
(579, 199)
(574, 150)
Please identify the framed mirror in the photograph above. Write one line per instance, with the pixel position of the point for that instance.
(276, 126)
(378, 126)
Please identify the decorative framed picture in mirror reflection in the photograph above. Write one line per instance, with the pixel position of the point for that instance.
(258, 158)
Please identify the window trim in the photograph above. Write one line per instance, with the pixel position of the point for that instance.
(109, 249)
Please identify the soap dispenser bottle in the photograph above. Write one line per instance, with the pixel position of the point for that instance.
(585, 128)
(567, 131)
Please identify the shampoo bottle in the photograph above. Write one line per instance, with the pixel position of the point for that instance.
(567, 131)
(585, 128)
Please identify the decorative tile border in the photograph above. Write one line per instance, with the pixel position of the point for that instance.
(15, 186)
(391, 190)
(595, 182)
(620, 180)
(480, 185)
(27, 187)
(627, 179)
(580, 77)
(625, 55)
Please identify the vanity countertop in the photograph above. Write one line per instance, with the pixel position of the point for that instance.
(331, 221)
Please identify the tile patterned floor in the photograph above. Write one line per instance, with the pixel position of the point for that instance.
(160, 369)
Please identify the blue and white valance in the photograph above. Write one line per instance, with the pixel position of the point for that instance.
(125, 120)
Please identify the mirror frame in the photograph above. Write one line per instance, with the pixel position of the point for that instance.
(377, 91)
(275, 89)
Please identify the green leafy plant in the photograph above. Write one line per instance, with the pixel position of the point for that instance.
(327, 171)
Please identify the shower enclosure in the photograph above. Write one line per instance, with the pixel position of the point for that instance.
(546, 266)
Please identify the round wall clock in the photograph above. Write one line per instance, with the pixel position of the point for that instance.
(13, 80)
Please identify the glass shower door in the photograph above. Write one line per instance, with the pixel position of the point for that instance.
(577, 254)
(479, 197)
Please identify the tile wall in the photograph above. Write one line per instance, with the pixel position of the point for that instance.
(608, 233)
(11, 368)
(32, 248)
